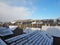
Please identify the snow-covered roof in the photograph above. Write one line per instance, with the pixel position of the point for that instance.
(52, 30)
(34, 38)
(33, 22)
(13, 22)
(37, 22)
(2, 42)
(13, 27)
(29, 29)
(5, 31)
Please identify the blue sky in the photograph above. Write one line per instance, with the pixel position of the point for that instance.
(47, 9)
(29, 9)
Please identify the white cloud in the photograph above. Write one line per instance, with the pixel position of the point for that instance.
(9, 13)
(20, 2)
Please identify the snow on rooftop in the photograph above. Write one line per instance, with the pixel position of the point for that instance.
(37, 22)
(35, 28)
(33, 22)
(52, 30)
(34, 38)
(5, 31)
(13, 22)
(13, 27)
(29, 29)
(2, 42)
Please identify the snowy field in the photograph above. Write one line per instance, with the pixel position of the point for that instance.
(52, 30)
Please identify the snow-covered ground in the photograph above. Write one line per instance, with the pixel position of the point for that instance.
(52, 30)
